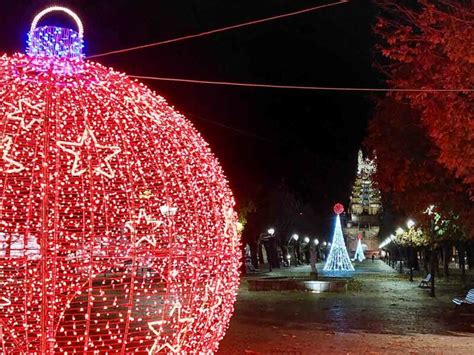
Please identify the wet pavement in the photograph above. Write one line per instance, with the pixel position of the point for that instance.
(382, 312)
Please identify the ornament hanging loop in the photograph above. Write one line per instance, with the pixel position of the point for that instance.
(40, 15)
(53, 41)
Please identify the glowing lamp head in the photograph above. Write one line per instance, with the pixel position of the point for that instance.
(338, 208)
(295, 236)
(53, 41)
(316, 242)
(271, 231)
(306, 239)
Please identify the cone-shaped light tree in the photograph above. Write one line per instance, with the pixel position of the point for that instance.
(359, 253)
(338, 259)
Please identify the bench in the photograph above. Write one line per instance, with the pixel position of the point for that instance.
(425, 282)
(469, 299)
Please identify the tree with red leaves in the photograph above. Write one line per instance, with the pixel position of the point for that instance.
(409, 173)
(428, 44)
(412, 179)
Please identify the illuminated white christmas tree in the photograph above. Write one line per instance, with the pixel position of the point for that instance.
(359, 254)
(338, 259)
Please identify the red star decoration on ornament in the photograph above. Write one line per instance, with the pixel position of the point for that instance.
(6, 146)
(77, 149)
(25, 109)
(176, 343)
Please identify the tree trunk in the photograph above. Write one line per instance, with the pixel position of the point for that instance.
(462, 263)
(416, 265)
(268, 251)
(426, 254)
(470, 254)
(437, 262)
(446, 257)
(254, 254)
(243, 267)
(432, 267)
(400, 260)
(298, 253)
(260, 254)
(411, 260)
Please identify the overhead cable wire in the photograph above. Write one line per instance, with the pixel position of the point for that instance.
(300, 87)
(218, 30)
(236, 130)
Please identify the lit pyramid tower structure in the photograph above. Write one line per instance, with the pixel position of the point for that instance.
(365, 207)
(338, 259)
(359, 254)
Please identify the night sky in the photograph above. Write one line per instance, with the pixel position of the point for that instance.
(308, 138)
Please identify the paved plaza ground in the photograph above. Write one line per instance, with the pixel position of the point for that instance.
(381, 313)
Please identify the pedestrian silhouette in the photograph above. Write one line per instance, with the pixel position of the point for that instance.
(373, 257)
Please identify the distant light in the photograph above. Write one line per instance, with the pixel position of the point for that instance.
(410, 223)
(306, 239)
(316, 241)
(324, 243)
(288, 256)
(399, 231)
(271, 231)
(295, 236)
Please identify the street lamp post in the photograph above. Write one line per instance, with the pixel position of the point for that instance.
(410, 224)
(432, 258)
(267, 239)
(314, 256)
(306, 248)
(316, 246)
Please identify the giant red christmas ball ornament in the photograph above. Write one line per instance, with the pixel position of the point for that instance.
(118, 233)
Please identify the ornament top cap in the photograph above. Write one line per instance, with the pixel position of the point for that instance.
(338, 208)
(53, 41)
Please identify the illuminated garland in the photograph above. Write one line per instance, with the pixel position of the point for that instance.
(117, 229)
